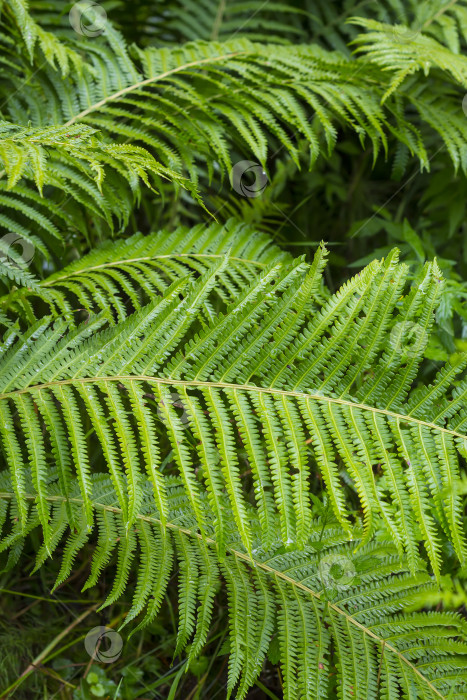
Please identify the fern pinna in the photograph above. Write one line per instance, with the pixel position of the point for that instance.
(283, 383)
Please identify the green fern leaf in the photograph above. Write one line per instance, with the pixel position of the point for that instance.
(302, 388)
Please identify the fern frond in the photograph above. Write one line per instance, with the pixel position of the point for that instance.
(14, 271)
(56, 52)
(300, 388)
(446, 21)
(159, 112)
(25, 152)
(75, 161)
(186, 112)
(141, 267)
(274, 22)
(389, 49)
(331, 611)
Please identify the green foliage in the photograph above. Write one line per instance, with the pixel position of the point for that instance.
(171, 112)
(323, 607)
(140, 267)
(55, 52)
(186, 391)
(274, 22)
(25, 152)
(257, 371)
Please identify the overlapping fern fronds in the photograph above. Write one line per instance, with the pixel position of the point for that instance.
(57, 53)
(296, 389)
(102, 178)
(126, 95)
(196, 399)
(274, 21)
(332, 616)
(25, 152)
(445, 21)
(189, 112)
(177, 22)
(409, 52)
(124, 275)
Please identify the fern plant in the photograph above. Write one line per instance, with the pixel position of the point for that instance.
(191, 399)
(254, 373)
(184, 113)
(324, 609)
(140, 267)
